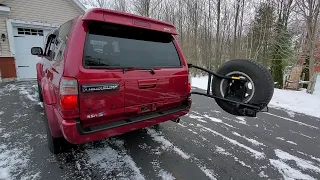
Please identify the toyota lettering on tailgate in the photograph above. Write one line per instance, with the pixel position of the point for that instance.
(100, 87)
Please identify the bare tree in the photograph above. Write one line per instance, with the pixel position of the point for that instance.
(310, 11)
(120, 5)
(96, 3)
(236, 19)
(142, 7)
(217, 52)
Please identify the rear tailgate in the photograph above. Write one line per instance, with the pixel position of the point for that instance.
(114, 81)
(101, 97)
(167, 88)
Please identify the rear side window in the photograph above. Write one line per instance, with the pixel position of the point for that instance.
(62, 39)
(109, 45)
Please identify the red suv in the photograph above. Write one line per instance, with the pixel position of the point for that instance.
(106, 73)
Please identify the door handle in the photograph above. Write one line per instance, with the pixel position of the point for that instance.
(147, 83)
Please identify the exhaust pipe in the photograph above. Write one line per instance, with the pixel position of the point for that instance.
(176, 120)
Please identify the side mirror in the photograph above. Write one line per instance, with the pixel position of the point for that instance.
(37, 51)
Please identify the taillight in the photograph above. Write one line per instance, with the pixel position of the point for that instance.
(68, 93)
(189, 83)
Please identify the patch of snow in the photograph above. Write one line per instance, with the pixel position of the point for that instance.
(297, 101)
(301, 134)
(291, 114)
(192, 131)
(262, 174)
(215, 111)
(181, 125)
(1, 112)
(5, 135)
(200, 82)
(110, 160)
(288, 119)
(198, 118)
(280, 138)
(312, 157)
(32, 97)
(241, 120)
(254, 153)
(306, 136)
(32, 177)
(165, 143)
(288, 172)
(218, 121)
(10, 87)
(291, 142)
(40, 104)
(12, 162)
(302, 163)
(209, 173)
(253, 141)
(161, 173)
(166, 175)
(222, 151)
(134, 167)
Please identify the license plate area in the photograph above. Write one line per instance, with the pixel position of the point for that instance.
(147, 108)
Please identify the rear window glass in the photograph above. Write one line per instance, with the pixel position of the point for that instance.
(120, 46)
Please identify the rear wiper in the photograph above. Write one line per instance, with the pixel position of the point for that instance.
(125, 69)
(95, 61)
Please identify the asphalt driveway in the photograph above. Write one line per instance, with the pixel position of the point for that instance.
(207, 144)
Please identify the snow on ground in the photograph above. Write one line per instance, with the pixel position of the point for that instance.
(288, 172)
(297, 101)
(302, 163)
(12, 162)
(109, 160)
(253, 141)
(222, 151)
(166, 175)
(290, 142)
(165, 143)
(254, 153)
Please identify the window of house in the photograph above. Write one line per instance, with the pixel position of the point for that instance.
(29, 31)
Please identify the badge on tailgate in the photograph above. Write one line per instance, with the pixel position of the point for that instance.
(100, 87)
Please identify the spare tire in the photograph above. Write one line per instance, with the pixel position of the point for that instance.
(258, 90)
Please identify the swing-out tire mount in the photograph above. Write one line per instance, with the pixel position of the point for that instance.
(240, 87)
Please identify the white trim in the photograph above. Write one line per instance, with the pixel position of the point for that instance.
(19, 23)
(4, 10)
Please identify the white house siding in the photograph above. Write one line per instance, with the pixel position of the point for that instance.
(45, 11)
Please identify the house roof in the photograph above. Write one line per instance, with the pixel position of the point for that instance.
(78, 5)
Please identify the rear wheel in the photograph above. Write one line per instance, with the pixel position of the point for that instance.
(257, 90)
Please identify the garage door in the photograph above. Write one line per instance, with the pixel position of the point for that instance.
(24, 40)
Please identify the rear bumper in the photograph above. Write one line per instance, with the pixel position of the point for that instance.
(73, 131)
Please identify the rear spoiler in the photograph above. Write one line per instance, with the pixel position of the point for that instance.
(122, 18)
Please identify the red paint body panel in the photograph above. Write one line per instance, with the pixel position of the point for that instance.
(116, 17)
(165, 89)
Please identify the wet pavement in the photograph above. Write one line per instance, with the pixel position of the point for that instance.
(207, 144)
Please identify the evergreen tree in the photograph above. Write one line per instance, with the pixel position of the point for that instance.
(260, 36)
